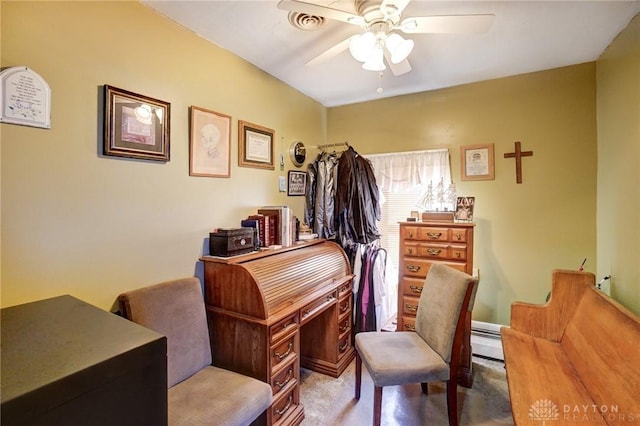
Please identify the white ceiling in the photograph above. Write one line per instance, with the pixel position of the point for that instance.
(526, 36)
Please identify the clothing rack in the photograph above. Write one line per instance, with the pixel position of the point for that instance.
(331, 145)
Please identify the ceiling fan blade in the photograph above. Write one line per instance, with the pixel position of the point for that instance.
(317, 10)
(399, 68)
(447, 24)
(330, 53)
(394, 5)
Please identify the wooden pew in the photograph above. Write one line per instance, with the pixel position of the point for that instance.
(574, 360)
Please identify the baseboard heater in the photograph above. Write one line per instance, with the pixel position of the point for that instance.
(485, 340)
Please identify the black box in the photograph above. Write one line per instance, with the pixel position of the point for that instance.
(66, 362)
(233, 241)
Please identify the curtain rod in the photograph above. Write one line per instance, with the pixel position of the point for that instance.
(408, 152)
(329, 145)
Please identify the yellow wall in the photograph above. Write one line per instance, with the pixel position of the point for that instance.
(523, 230)
(76, 222)
(618, 79)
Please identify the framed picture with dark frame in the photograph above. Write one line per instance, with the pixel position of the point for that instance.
(209, 143)
(297, 183)
(255, 146)
(135, 126)
(477, 162)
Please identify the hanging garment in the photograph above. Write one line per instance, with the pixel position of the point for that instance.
(320, 202)
(357, 200)
(370, 290)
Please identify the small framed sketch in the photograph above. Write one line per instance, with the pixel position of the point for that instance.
(464, 209)
(255, 146)
(209, 143)
(477, 162)
(297, 184)
(135, 126)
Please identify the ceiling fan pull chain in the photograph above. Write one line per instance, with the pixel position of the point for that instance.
(380, 89)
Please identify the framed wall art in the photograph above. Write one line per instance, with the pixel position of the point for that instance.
(477, 162)
(135, 126)
(255, 146)
(297, 183)
(209, 143)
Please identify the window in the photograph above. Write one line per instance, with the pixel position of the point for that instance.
(402, 179)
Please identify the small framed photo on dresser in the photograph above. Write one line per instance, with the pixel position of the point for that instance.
(464, 209)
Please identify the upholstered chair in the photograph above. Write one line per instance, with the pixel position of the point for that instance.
(430, 354)
(199, 393)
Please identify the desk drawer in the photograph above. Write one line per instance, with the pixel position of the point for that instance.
(316, 307)
(283, 406)
(344, 307)
(284, 352)
(344, 326)
(343, 345)
(286, 378)
(283, 327)
(344, 290)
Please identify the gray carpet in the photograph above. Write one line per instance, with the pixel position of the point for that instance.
(329, 401)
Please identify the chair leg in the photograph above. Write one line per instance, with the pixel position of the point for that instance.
(377, 405)
(358, 375)
(425, 388)
(452, 401)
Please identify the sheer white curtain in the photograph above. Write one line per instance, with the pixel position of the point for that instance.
(404, 171)
(402, 178)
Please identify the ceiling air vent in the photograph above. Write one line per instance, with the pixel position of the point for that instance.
(306, 22)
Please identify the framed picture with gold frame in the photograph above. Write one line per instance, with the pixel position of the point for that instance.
(255, 146)
(135, 126)
(209, 143)
(477, 162)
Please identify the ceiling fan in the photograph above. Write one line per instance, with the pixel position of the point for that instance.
(380, 20)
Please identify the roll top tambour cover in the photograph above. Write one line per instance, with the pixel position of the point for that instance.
(261, 286)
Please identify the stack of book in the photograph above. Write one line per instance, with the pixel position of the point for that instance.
(277, 226)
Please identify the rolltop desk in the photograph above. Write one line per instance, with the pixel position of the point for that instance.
(421, 245)
(273, 311)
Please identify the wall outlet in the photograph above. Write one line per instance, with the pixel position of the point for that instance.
(475, 273)
(282, 184)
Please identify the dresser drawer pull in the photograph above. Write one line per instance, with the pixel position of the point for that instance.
(285, 325)
(458, 237)
(416, 289)
(344, 289)
(410, 234)
(286, 380)
(434, 252)
(284, 355)
(344, 308)
(413, 268)
(434, 235)
(458, 254)
(409, 250)
(410, 327)
(344, 328)
(286, 408)
(411, 308)
(343, 347)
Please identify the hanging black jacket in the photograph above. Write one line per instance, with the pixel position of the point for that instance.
(357, 200)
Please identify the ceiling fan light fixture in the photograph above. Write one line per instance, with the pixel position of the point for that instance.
(399, 47)
(362, 46)
(375, 62)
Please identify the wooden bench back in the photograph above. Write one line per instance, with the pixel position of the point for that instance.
(602, 341)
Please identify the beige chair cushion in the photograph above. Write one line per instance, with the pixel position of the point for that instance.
(215, 396)
(175, 309)
(439, 308)
(398, 358)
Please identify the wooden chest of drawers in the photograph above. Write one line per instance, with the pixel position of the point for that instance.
(421, 245)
